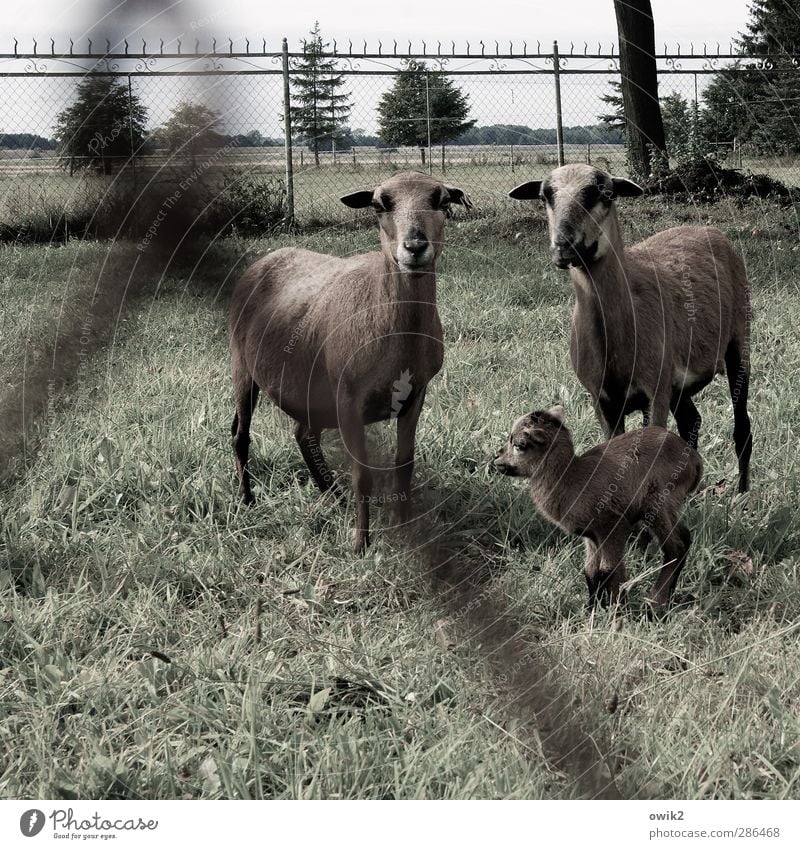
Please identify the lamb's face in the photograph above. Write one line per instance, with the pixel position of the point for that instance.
(579, 201)
(411, 210)
(531, 437)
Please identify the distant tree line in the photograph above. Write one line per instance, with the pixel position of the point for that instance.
(25, 141)
(507, 134)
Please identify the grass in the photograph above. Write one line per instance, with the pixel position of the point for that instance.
(160, 641)
(38, 196)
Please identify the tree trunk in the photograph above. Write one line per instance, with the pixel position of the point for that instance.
(422, 154)
(643, 123)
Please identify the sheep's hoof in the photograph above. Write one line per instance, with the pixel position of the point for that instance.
(361, 543)
(247, 497)
(404, 512)
(656, 611)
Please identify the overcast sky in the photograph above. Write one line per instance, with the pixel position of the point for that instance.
(29, 104)
(577, 20)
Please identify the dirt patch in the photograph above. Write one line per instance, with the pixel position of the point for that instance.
(707, 181)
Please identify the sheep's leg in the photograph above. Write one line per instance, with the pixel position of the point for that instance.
(675, 540)
(688, 419)
(404, 458)
(611, 574)
(611, 415)
(739, 383)
(658, 408)
(246, 396)
(352, 429)
(591, 569)
(310, 445)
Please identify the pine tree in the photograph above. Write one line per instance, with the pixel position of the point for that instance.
(323, 107)
(417, 91)
(760, 106)
(105, 125)
(191, 129)
(614, 119)
(774, 29)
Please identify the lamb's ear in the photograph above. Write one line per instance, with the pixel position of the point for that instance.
(459, 196)
(527, 191)
(558, 412)
(358, 200)
(623, 188)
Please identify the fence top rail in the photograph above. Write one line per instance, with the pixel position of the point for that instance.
(243, 49)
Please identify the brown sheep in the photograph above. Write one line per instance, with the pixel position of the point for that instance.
(345, 342)
(654, 322)
(644, 475)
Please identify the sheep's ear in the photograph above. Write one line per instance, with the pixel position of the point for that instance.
(623, 188)
(527, 191)
(358, 200)
(558, 412)
(459, 196)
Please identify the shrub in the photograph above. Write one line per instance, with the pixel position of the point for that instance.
(248, 204)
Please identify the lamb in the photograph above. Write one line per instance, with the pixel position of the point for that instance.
(345, 342)
(644, 475)
(655, 322)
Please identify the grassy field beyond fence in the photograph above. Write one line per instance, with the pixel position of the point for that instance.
(37, 189)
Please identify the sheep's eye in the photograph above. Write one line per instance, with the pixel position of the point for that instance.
(384, 204)
(519, 444)
(591, 195)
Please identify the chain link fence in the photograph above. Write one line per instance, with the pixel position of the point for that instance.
(529, 110)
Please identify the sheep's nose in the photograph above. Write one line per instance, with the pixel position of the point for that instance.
(415, 246)
(563, 250)
(499, 465)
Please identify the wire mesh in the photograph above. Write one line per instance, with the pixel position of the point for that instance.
(511, 106)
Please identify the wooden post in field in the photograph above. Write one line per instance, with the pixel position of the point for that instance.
(588, 153)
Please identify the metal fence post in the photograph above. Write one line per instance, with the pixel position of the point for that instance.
(559, 125)
(428, 116)
(133, 152)
(287, 129)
